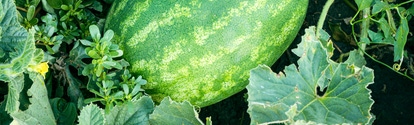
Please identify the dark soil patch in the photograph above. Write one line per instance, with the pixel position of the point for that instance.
(393, 94)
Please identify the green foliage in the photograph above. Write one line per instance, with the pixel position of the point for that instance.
(20, 58)
(384, 16)
(108, 78)
(88, 81)
(40, 111)
(19, 54)
(318, 90)
(91, 115)
(141, 112)
(170, 112)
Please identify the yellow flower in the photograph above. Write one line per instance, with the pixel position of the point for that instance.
(41, 68)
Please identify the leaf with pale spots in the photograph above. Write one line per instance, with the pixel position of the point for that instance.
(318, 90)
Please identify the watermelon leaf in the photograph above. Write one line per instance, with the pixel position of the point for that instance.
(170, 112)
(18, 54)
(134, 112)
(39, 111)
(318, 90)
(91, 115)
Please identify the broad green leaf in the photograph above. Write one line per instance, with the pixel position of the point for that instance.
(91, 115)
(39, 111)
(401, 39)
(18, 50)
(15, 87)
(131, 113)
(362, 4)
(64, 112)
(170, 112)
(293, 96)
(5, 118)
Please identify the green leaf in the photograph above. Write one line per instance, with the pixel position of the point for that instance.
(91, 115)
(39, 111)
(55, 3)
(401, 39)
(64, 112)
(362, 4)
(379, 6)
(170, 112)
(86, 42)
(385, 27)
(4, 116)
(342, 96)
(109, 34)
(355, 59)
(95, 33)
(18, 50)
(30, 12)
(131, 112)
(47, 7)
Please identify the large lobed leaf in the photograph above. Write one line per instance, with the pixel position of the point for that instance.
(134, 112)
(170, 112)
(17, 52)
(91, 115)
(293, 96)
(39, 111)
(131, 113)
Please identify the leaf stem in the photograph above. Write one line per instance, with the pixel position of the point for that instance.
(323, 16)
(364, 29)
(389, 67)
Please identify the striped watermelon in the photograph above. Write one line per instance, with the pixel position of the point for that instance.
(202, 50)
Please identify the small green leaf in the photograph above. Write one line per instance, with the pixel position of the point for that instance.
(56, 4)
(401, 39)
(91, 115)
(86, 42)
(108, 64)
(117, 53)
(109, 34)
(379, 6)
(118, 95)
(125, 88)
(95, 33)
(94, 54)
(47, 7)
(30, 12)
(170, 112)
(39, 111)
(385, 27)
(65, 7)
(355, 59)
(91, 100)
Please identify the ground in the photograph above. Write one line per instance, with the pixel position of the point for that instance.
(393, 94)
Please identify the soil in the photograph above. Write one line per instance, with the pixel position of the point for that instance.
(393, 94)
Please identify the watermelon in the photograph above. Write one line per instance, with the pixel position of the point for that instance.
(202, 50)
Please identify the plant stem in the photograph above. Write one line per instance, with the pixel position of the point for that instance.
(389, 67)
(364, 29)
(323, 16)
